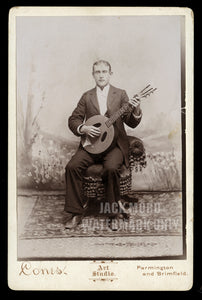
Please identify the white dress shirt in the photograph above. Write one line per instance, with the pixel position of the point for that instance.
(102, 95)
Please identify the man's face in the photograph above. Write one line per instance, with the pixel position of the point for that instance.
(101, 75)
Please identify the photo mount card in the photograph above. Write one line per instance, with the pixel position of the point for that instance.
(53, 55)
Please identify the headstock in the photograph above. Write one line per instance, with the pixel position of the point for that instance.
(147, 91)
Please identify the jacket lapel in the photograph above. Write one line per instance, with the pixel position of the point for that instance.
(110, 101)
(94, 101)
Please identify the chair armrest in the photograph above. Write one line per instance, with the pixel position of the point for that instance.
(136, 146)
(137, 156)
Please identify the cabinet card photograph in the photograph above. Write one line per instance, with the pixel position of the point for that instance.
(100, 148)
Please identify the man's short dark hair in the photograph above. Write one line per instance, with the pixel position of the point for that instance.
(101, 61)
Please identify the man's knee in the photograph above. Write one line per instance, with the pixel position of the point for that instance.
(76, 165)
(72, 165)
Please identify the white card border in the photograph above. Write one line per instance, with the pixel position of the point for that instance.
(129, 278)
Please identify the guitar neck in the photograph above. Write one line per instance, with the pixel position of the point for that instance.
(126, 107)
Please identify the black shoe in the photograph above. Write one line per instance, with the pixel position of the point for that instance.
(123, 212)
(113, 222)
(125, 216)
(74, 221)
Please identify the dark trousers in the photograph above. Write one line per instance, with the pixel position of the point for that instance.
(76, 168)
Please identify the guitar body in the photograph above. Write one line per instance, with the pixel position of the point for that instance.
(97, 145)
(100, 144)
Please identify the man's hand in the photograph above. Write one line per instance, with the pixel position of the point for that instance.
(135, 102)
(90, 130)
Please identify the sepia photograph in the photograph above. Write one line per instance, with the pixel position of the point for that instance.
(100, 140)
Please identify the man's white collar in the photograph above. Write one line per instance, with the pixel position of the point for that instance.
(105, 89)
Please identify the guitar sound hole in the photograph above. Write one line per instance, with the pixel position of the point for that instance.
(103, 136)
(97, 125)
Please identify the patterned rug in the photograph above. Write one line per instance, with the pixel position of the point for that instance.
(152, 214)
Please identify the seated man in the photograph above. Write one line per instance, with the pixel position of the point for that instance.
(104, 99)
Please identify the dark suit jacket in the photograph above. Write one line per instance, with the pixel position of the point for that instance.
(88, 106)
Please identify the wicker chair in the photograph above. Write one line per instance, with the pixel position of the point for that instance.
(92, 184)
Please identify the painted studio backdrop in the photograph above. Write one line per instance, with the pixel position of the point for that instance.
(54, 68)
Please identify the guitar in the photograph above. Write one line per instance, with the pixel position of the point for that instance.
(99, 144)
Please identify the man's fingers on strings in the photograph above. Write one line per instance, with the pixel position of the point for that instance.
(94, 132)
(135, 102)
(95, 129)
(137, 98)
